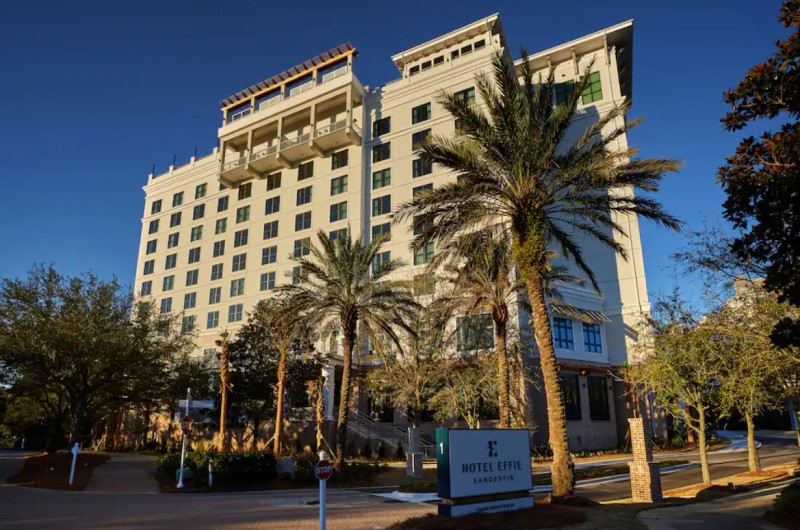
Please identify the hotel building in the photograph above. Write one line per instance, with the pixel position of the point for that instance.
(313, 149)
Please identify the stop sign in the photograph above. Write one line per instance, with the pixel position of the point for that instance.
(323, 470)
(185, 424)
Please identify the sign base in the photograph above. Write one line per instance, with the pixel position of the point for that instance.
(504, 505)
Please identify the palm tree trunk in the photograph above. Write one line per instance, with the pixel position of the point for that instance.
(701, 444)
(344, 400)
(752, 451)
(320, 412)
(502, 373)
(223, 402)
(276, 443)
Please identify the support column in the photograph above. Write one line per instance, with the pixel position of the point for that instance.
(645, 474)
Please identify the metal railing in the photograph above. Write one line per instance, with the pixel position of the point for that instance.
(269, 102)
(333, 74)
(333, 127)
(263, 153)
(241, 114)
(299, 89)
(291, 142)
(227, 166)
(387, 433)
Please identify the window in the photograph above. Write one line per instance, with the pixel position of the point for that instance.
(424, 284)
(240, 238)
(147, 288)
(189, 300)
(169, 283)
(153, 228)
(191, 277)
(172, 240)
(594, 89)
(197, 233)
(380, 259)
(564, 91)
(166, 305)
(421, 113)
(419, 226)
(267, 281)
(381, 152)
(305, 170)
(302, 221)
(592, 342)
(245, 190)
(271, 230)
(414, 70)
(269, 255)
(339, 185)
(466, 49)
(479, 44)
(338, 211)
(381, 178)
(381, 205)
(474, 332)
(598, 398)
(419, 136)
(425, 66)
(572, 397)
(562, 333)
(175, 219)
(425, 254)
(273, 181)
(302, 247)
(239, 262)
(420, 168)
(222, 204)
(465, 96)
(235, 313)
(171, 261)
(297, 274)
(216, 271)
(420, 190)
(242, 214)
(149, 266)
(237, 287)
(272, 205)
(215, 295)
(200, 191)
(155, 207)
(336, 234)
(194, 255)
(384, 229)
(339, 159)
(219, 248)
(221, 226)
(213, 319)
(381, 126)
(304, 196)
(438, 60)
(177, 199)
(151, 246)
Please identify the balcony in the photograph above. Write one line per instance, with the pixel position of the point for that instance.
(298, 148)
(336, 134)
(266, 159)
(235, 170)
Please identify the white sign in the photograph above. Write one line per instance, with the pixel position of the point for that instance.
(506, 505)
(483, 461)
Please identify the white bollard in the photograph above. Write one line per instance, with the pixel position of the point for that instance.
(210, 471)
(75, 450)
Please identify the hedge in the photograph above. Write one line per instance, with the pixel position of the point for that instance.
(255, 467)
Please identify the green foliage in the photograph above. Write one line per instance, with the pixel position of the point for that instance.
(468, 390)
(230, 469)
(7, 439)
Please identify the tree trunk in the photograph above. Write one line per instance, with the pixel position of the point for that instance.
(752, 451)
(320, 413)
(256, 425)
(223, 402)
(276, 444)
(344, 400)
(531, 257)
(701, 444)
(502, 373)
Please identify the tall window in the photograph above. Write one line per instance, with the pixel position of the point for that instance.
(380, 259)
(215, 295)
(338, 211)
(242, 214)
(149, 267)
(272, 205)
(235, 313)
(200, 191)
(216, 271)
(169, 283)
(421, 113)
(598, 398)
(305, 170)
(147, 288)
(420, 190)
(271, 230)
(425, 254)
(222, 204)
(221, 226)
(592, 342)
(151, 246)
(304, 196)
(171, 261)
(177, 199)
(381, 205)
(339, 159)
(381, 152)
(175, 219)
(267, 281)
(191, 277)
(381, 126)
(189, 300)
(562, 333)
(336, 234)
(237, 287)
(155, 207)
(420, 168)
(219, 248)
(269, 255)
(381, 178)
(194, 255)
(240, 238)
(239, 262)
(419, 136)
(571, 393)
(153, 228)
(245, 190)
(172, 240)
(166, 305)
(273, 181)
(381, 230)
(302, 247)
(466, 96)
(593, 91)
(302, 221)
(212, 319)
(474, 332)
(197, 233)
(339, 185)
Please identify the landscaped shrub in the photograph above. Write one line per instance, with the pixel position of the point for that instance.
(787, 506)
(367, 450)
(255, 467)
(399, 454)
(381, 451)
(7, 440)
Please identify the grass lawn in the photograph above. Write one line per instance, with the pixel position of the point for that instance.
(52, 470)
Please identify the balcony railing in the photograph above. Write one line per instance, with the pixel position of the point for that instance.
(333, 127)
(265, 152)
(241, 114)
(330, 76)
(227, 166)
(269, 102)
(291, 142)
(300, 89)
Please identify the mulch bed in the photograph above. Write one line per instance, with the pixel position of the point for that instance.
(541, 516)
(51, 470)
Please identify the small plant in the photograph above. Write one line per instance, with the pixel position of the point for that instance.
(367, 450)
(399, 454)
(381, 451)
(786, 508)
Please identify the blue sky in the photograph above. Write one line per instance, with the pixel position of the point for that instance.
(95, 93)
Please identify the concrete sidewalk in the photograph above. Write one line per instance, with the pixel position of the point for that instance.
(743, 511)
(125, 473)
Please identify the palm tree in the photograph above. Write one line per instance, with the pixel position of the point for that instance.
(517, 168)
(224, 383)
(338, 288)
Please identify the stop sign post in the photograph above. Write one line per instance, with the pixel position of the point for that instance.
(185, 426)
(323, 471)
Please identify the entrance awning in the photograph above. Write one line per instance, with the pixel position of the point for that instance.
(577, 313)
